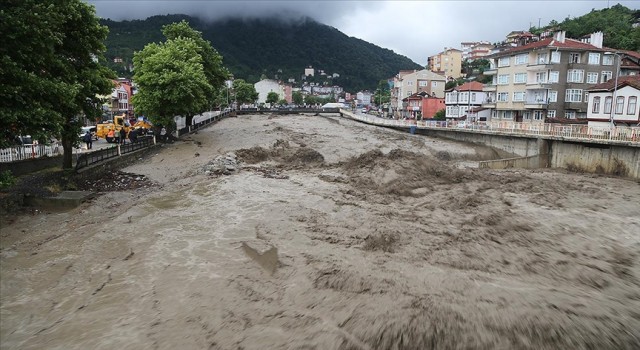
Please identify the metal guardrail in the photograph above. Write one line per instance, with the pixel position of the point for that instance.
(579, 132)
(191, 128)
(90, 158)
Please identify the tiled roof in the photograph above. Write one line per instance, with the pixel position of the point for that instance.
(551, 42)
(631, 80)
(473, 86)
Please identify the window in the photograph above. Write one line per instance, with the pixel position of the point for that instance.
(520, 78)
(518, 96)
(607, 60)
(503, 62)
(526, 115)
(607, 104)
(575, 76)
(506, 114)
(503, 79)
(542, 58)
(464, 97)
(596, 105)
(541, 77)
(592, 78)
(521, 59)
(631, 107)
(554, 76)
(551, 113)
(555, 57)
(594, 58)
(570, 114)
(606, 75)
(553, 96)
(619, 104)
(537, 115)
(434, 84)
(473, 97)
(422, 83)
(503, 96)
(574, 57)
(409, 83)
(573, 95)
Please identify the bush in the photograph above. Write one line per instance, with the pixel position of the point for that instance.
(7, 179)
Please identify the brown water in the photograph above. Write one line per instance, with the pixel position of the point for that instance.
(368, 250)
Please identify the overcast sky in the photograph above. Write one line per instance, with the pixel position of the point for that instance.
(416, 29)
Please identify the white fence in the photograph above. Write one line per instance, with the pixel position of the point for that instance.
(570, 131)
(30, 151)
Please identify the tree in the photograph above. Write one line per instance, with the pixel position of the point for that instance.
(244, 92)
(171, 81)
(382, 94)
(297, 97)
(182, 76)
(440, 115)
(214, 70)
(272, 97)
(51, 66)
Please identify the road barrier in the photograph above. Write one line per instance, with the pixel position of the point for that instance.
(29, 151)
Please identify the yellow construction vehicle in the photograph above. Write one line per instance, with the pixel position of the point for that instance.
(119, 122)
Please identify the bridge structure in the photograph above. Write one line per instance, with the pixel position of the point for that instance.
(576, 147)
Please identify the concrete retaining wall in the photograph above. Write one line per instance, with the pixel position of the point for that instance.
(531, 162)
(521, 146)
(596, 158)
(28, 166)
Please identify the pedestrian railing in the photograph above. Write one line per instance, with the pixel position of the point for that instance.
(30, 151)
(565, 131)
(212, 118)
(86, 159)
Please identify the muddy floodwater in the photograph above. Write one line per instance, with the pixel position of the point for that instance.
(308, 232)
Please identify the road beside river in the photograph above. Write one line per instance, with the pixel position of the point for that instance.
(308, 232)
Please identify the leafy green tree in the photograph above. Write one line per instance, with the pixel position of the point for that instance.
(51, 56)
(244, 92)
(440, 115)
(283, 102)
(297, 97)
(382, 94)
(214, 70)
(272, 97)
(171, 81)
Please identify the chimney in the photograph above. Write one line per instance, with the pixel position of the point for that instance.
(559, 36)
(596, 39)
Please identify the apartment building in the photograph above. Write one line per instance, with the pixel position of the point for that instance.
(472, 50)
(421, 106)
(460, 99)
(407, 84)
(447, 63)
(547, 78)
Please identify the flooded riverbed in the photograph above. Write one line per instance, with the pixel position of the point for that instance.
(330, 235)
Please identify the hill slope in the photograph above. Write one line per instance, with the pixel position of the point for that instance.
(272, 48)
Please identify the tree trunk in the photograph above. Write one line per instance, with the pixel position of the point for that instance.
(189, 120)
(67, 156)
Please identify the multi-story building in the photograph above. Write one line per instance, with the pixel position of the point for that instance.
(447, 63)
(422, 106)
(265, 86)
(460, 99)
(547, 78)
(417, 81)
(472, 50)
(615, 104)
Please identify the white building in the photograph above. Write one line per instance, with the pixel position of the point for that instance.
(461, 99)
(364, 97)
(265, 86)
(309, 71)
(622, 109)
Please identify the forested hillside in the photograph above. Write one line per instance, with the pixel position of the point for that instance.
(270, 48)
(620, 25)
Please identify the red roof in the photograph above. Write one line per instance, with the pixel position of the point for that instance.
(631, 80)
(551, 42)
(473, 86)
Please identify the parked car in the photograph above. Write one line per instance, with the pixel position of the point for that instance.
(91, 129)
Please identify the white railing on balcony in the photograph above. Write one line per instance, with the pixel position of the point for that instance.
(30, 151)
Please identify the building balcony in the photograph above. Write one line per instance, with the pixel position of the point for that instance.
(489, 103)
(491, 71)
(536, 85)
(539, 66)
(489, 87)
(535, 104)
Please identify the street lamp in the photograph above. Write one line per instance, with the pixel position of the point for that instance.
(615, 89)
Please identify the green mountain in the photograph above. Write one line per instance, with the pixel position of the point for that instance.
(252, 49)
(619, 24)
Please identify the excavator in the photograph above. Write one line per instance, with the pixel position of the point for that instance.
(120, 122)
